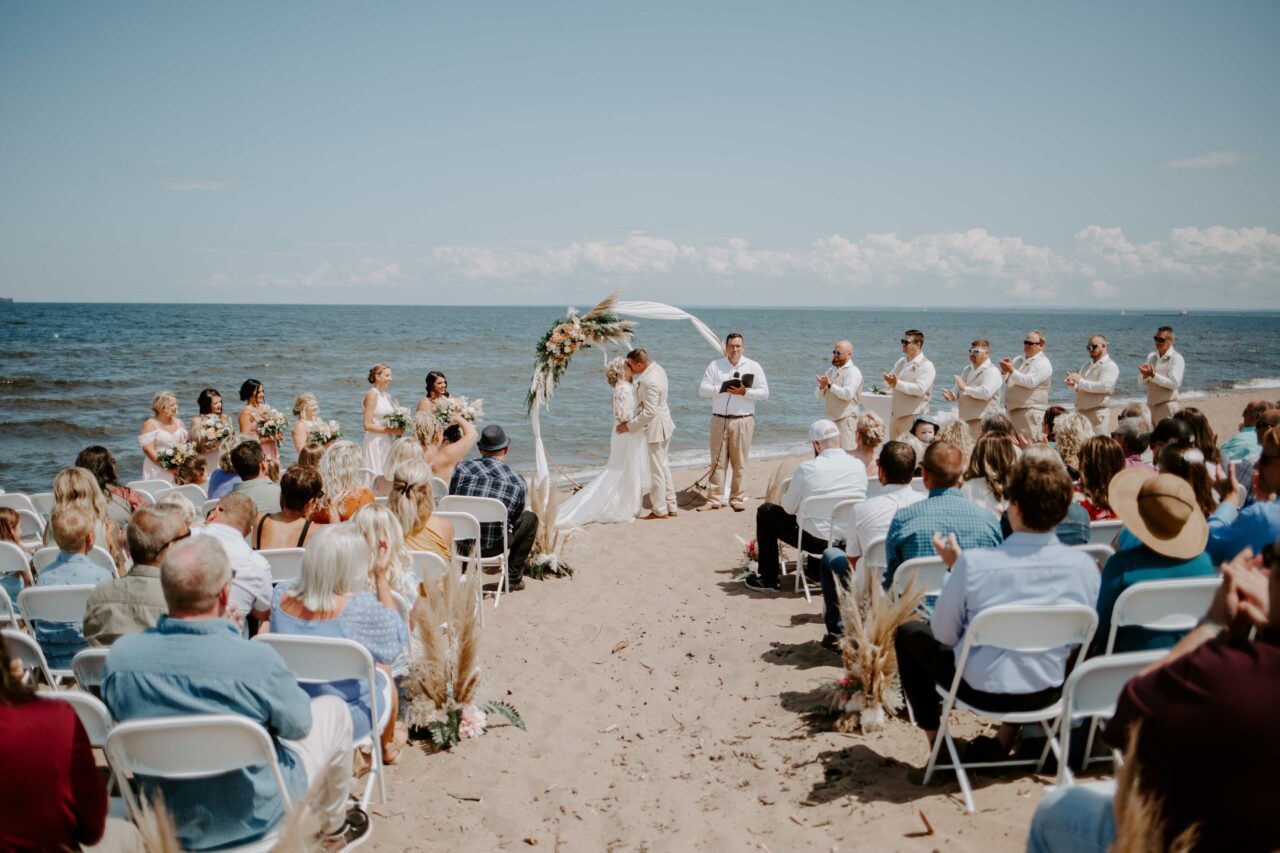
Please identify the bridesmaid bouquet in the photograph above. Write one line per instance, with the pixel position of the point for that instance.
(213, 432)
(325, 433)
(171, 457)
(447, 407)
(397, 418)
(273, 425)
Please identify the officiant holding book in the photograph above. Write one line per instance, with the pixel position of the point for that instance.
(734, 385)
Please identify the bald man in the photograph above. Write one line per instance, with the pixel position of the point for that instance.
(840, 390)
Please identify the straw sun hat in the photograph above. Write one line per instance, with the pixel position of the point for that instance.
(1161, 510)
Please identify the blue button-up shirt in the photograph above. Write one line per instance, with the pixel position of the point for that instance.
(1232, 530)
(1242, 445)
(203, 666)
(1028, 569)
(60, 641)
(944, 511)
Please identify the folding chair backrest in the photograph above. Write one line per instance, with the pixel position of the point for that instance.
(43, 557)
(191, 491)
(8, 615)
(32, 526)
(402, 605)
(917, 484)
(43, 502)
(286, 563)
(206, 507)
(484, 510)
(1034, 628)
(428, 566)
(319, 659)
(873, 556)
(151, 487)
(1103, 532)
(17, 500)
(93, 715)
(1172, 605)
(1099, 553)
(88, 666)
(929, 574)
(842, 519)
(13, 560)
(26, 651)
(1092, 690)
(439, 488)
(54, 603)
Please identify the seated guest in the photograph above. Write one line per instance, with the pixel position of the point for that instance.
(402, 450)
(1160, 511)
(1073, 528)
(1244, 444)
(377, 523)
(251, 468)
(195, 662)
(11, 531)
(442, 456)
(988, 471)
(310, 455)
(183, 506)
(1171, 431)
(1031, 567)
(1232, 529)
(831, 472)
(923, 428)
(1101, 459)
(191, 470)
(224, 478)
(871, 520)
(1138, 411)
(344, 493)
(1049, 427)
(329, 600)
(77, 488)
(73, 531)
(944, 511)
(491, 477)
(1071, 430)
(1207, 742)
(1187, 463)
(1133, 441)
(1206, 441)
(135, 602)
(229, 525)
(997, 423)
(121, 500)
(301, 491)
(869, 433)
(413, 505)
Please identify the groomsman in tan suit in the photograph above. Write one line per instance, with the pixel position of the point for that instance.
(1094, 383)
(1162, 374)
(912, 382)
(977, 388)
(1027, 379)
(654, 417)
(840, 390)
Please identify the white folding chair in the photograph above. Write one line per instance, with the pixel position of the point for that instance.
(26, 651)
(191, 491)
(917, 484)
(818, 507)
(286, 563)
(1028, 630)
(43, 502)
(18, 500)
(1173, 605)
(32, 527)
(427, 565)
(14, 561)
(367, 476)
(929, 574)
(1099, 553)
(872, 564)
(93, 715)
(875, 488)
(319, 660)
(1091, 692)
(439, 488)
(9, 617)
(1104, 532)
(88, 667)
(485, 511)
(151, 487)
(842, 519)
(192, 747)
(206, 507)
(64, 604)
(41, 559)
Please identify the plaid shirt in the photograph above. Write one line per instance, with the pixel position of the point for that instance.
(945, 511)
(490, 477)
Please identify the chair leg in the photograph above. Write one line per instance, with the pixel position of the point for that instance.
(1088, 743)
(933, 753)
(961, 776)
(1050, 743)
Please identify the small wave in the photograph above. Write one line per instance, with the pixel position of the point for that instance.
(50, 428)
(20, 354)
(1248, 384)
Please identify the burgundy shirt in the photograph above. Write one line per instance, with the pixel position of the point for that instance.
(1210, 741)
(51, 796)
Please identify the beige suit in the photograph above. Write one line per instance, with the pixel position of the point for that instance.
(911, 393)
(841, 401)
(1026, 394)
(1093, 392)
(654, 418)
(981, 395)
(1163, 387)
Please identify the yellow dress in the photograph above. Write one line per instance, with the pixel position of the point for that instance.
(426, 538)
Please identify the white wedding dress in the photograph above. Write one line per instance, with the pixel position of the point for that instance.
(617, 495)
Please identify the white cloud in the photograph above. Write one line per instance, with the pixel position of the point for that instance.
(1209, 160)
(1104, 290)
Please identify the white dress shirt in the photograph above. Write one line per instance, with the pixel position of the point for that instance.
(718, 372)
(250, 571)
(872, 517)
(981, 394)
(914, 387)
(843, 396)
(832, 472)
(1028, 384)
(1163, 386)
(1097, 383)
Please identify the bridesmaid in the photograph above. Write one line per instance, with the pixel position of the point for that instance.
(254, 397)
(158, 433)
(307, 411)
(437, 386)
(210, 405)
(377, 405)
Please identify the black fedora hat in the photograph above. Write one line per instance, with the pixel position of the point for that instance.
(492, 439)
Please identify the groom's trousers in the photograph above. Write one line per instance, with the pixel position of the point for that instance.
(662, 490)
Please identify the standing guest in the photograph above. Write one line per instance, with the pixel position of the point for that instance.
(301, 494)
(306, 410)
(977, 387)
(1162, 374)
(73, 531)
(196, 662)
(229, 524)
(122, 501)
(1027, 379)
(77, 488)
(160, 432)
(414, 506)
(437, 386)
(987, 474)
(871, 520)
(1030, 568)
(1232, 529)
(377, 405)
(957, 432)
(344, 493)
(1071, 430)
(254, 396)
(1101, 459)
(251, 467)
(402, 450)
(870, 434)
(491, 477)
(135, 602)
(310, 455)
(946, 510)
(209, 404)
(911, 381)
(1094, 383)
(1206, 440)
(734, 384)
(840, 391)
(1134, 441)
(831, 472)
(1244, 443)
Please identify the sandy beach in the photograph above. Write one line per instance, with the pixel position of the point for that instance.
(665, 706)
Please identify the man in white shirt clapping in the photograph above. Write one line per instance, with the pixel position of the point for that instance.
(840, 390)
(912, 382)
(734, 384)
(1094, 383)
(1162, 374)
(1027, 380)
(977, 388)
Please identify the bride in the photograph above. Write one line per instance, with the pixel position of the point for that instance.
(616, 495)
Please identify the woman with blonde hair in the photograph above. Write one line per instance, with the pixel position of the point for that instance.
(414, 507)
(957, 432)
(870, 435)
(403, 449)
(987, 477)
(377, 405)
(442, 456)
(344, 493)
(306, 410)
(184, 506)
(159, 433)
(377, 524)
(77, 489)
(1070, 431)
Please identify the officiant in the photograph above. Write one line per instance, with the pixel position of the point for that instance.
(734, 385)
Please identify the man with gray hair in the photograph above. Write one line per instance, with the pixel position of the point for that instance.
(230, 522)
(194, 661)
(135, 602)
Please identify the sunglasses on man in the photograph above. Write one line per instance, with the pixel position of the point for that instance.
(1032, 343)
(1092, 347)
(1159, 339)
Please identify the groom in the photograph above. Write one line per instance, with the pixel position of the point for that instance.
(654, 418)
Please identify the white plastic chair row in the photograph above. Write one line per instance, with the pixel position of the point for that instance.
(43, 557)
(55, 604)
(439, 488)
(286, 563)
(482, 511)
(150, 487)
(1104, 532)
(192, 492)
(26, 651)
(14, 561)
(32, 528)
(822, 508)
(929, 573)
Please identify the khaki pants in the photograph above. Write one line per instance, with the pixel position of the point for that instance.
(1160, 411)
(975, 428)
(325, 754)
(848, 432)
(1100, 419)
(730, 446)
(901, 425)
(1028, 422)
(662, 491)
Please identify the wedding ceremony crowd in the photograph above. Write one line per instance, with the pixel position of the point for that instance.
(181, 577)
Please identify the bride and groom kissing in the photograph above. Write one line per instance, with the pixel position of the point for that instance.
(637, 450)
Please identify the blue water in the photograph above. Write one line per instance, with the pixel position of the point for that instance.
(78, 374)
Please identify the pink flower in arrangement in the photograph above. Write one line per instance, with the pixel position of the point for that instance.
(473, 722)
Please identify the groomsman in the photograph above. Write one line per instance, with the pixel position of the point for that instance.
(977, 388)
(1094, 383)
(840, 390)
(912, 382)
(1162, 374)
(735, 384)
(1027, 380)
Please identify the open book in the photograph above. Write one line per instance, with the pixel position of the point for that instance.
(744, 382)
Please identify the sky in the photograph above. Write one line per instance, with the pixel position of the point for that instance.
(977, 154)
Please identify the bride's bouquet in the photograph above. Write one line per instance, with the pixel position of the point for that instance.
(469, 410)
(213, 432)
(273, 425)
(398, 418)
(324, 433)
(171, 457)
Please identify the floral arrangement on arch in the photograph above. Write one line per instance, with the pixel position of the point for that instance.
(468, 410)
(398, 418)
(273, 424)
(171, 457)
(327, 432)
(572, 332)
